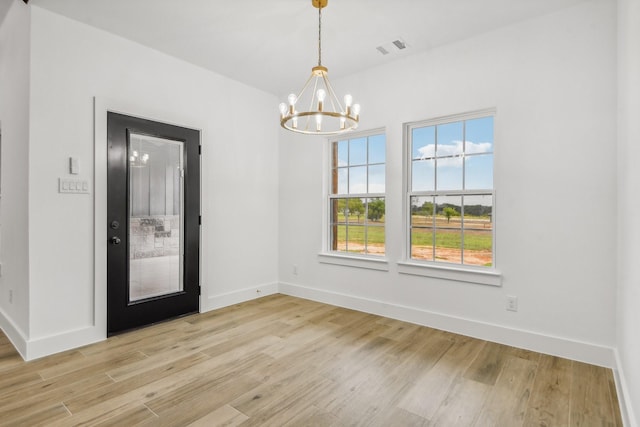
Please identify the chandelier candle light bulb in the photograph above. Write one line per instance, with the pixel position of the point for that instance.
(321, 96)
(330, 117)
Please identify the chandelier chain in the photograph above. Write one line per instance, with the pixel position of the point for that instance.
(320, 36)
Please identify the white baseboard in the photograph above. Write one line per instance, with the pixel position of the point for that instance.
(575, 350)
(44, 346)
(626, 407)
(14, 334)
(31, 349)
(224, 300)
(547, 344)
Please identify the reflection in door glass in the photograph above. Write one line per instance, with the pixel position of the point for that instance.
(155, 216)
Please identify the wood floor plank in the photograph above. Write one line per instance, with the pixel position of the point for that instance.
(433, 386)
(251, 341)
(41, 417)
(157, 361)
(359, 398)
(398, 417)
(463, 404)
(314, 358)
(398, 330)
(131, 417)
(361, 404)
(419, 353)
(89, 366)
(189, 404)
(11, 381)
(226, 416)
(168, 385)
(550, 394)
(590, 397)
(488, 364)
(134, 340)
(113, 390)
(306, 312)
(278, 403)
(9, 357)
(97, 417)
(49, 393)
(312, 416)
(285, 361)
(613, 399)
(508, 400)
(297, 339)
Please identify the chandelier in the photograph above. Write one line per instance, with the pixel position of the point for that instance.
(325, 114)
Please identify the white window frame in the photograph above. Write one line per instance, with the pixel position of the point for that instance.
(351, 259)
(458, 272)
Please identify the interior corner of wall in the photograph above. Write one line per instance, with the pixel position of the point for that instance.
(17, 337)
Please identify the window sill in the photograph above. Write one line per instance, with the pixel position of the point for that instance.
(367, 262)
(459, 274)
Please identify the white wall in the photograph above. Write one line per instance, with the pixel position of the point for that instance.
(14, 120)
(72, 63)
(553, 83)
(629, 204)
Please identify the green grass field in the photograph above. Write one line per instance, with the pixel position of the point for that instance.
(473, 240)
(477, 240)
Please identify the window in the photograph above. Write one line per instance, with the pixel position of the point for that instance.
(451, 196)
(357, 195)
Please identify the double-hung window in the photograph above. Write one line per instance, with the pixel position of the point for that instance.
(450, 190)
(357, 194)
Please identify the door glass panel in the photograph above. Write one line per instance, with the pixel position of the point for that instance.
(155, 216)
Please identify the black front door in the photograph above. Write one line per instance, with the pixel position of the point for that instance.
(153, 219)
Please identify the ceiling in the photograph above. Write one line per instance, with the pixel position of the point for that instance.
(272, 45)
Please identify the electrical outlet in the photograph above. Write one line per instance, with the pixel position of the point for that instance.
(295, 269)
(10, 296)
(512, 303)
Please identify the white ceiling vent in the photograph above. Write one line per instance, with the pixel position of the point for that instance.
(399, 44)
(395, 46)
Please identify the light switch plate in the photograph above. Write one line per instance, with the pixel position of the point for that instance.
(74, 166)
(73, 185)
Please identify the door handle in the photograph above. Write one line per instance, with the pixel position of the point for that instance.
(115, 240)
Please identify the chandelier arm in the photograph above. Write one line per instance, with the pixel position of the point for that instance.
(335, 104)
(304, 88)
(332, 93)
(313, 94)
(334, 100)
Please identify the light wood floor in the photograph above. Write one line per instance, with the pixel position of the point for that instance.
(284, 361)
